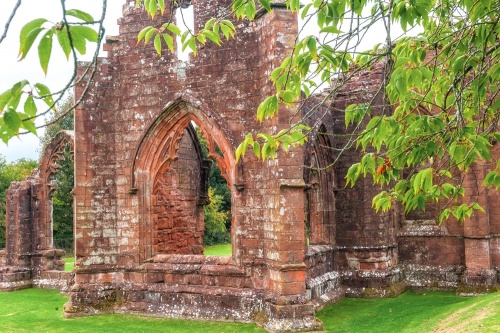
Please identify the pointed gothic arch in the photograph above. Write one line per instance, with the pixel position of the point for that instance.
(170, 177)
(320, 175)
(52, 153)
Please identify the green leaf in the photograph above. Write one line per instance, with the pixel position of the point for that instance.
(210, 23)
(30, 106)
(226, 31)
(169, 40)
(444, 215)
(161, 4)
(45, 50)
(331, 29)
(174, 29)
(212, 36)
(148, 35)
(84, 16)
(30, 39)
(29, 125)
(229, 24)
(152, 9)
(44, 92)
(62, 38)
(26, 30)
(305, 10)
(250, 9)
(267, 108)
(12, 120)
(86, 32)
(17, 88)
(143, 33)
(79, 42)
(5, 98)
(157, 44)
(266, 4)
(288, 96)
(256, 149)
(192, 45)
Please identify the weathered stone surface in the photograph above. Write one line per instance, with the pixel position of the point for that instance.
(301, 239)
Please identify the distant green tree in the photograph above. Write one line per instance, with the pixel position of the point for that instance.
(215, 220)
(10, 172)
(62, 202)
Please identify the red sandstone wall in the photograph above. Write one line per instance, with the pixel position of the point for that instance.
(178, 219)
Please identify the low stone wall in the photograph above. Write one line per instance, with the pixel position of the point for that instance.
(176, 286)
(322, 281)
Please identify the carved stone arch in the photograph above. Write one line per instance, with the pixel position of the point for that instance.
(48, 166)
(159, 143)
(154, 164)
(319, 174)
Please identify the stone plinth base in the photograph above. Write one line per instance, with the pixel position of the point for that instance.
(478, 282)
(14, 278)
(289, 318)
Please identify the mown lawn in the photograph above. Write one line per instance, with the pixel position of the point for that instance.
(69, 264)
(411, 312)
(218, 250)
(35, 310)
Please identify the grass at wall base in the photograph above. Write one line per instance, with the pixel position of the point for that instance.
(36, 310)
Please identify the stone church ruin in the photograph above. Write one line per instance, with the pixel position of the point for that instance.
(301, 239)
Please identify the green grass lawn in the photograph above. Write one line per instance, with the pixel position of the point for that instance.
(411, 312)
(36, 310)
(218, 250)
(69, 264)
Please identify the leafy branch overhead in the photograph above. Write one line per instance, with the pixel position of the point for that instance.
(18, 104)
(440, 114)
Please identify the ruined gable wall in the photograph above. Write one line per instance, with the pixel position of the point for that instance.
(135, 98)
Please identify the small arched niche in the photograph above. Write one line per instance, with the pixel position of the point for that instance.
(319, 174)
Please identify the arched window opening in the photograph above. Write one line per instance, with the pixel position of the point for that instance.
(170, 174)
(62, 202)
(217, 213)
(191, 199)
(178, 200)
(54, 208)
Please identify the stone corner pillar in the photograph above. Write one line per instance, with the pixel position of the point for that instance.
(479, 277)
(286, 308)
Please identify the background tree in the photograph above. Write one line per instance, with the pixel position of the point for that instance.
(216, 219)
(10, 172)
(217, 214)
